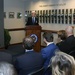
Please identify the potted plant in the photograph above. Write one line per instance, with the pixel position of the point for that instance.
(7, 38)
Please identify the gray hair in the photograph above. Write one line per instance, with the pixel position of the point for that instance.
(63, 64)
(69, 31)
(33, 12)
(7, 69)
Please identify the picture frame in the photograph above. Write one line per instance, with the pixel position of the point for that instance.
(11, 14)
(4, 14)
(19, 15)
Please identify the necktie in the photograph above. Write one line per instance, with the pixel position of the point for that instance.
(33, 19)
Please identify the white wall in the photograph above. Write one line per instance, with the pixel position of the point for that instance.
(9, 23)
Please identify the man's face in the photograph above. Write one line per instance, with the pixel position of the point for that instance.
(33, 14)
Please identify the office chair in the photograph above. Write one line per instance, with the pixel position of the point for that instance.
(38, 72)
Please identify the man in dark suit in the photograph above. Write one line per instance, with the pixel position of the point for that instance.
(33, 20)
(50, 49)
(31, 60)
(61, 38)
(69, 44)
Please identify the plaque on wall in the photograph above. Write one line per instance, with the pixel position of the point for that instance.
(59, 16)
(26, 16)
(49, 16)
(46, 16)
(37, 15)
(55, 16)
(40, 16)
(52, 16)
(66, 16)
(62, 16)
(28, 13)
(70, 16)
(74, 17)
(43, 16)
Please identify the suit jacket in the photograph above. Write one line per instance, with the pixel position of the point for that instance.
(61, 45)
(48, 52)
(30, 21)
(68, 45)
(29, 62)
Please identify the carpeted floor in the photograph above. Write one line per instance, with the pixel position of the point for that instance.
(15, 49)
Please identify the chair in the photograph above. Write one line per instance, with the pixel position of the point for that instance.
(72, 53)
(38, 72)
(5, 57)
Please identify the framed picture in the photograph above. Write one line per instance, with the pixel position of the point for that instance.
(4, 14)
(11, 14)
(19, 15)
